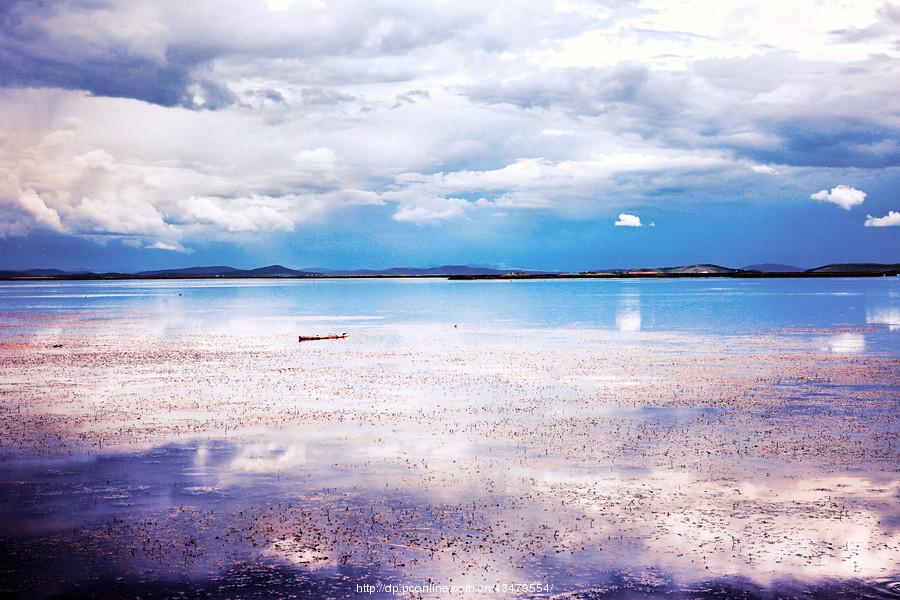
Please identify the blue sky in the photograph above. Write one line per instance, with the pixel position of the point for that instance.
(542, 134)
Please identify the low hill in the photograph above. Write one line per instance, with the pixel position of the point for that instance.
(189, 272)
(473, 272)
(441, 270)
(35, 273)
(272, 271)
(773, 268)
(701, 269)
(893, 269)
(225, 271)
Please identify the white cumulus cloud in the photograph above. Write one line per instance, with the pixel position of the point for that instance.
(175, 247)
(892, 219)
(843, 195)
(626, 220)
(425, 209)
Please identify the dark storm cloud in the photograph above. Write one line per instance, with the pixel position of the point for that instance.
(29, 57)
(831, 142)
(195, 54)
(773, 107)
(40, 47)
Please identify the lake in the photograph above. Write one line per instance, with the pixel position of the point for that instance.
(565, 438)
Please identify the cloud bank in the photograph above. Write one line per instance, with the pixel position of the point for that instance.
(166, 123)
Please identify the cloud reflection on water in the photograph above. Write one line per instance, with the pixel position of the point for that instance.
(889, 317)
(628, 315)
(811, 526)
(847, 343)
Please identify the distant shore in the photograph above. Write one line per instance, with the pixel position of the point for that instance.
(739, 275)
(463, 272)
(503, 277)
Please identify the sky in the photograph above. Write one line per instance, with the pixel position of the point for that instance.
(559, 135)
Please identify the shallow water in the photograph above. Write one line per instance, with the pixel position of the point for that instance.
(718, 305)
(590, 438)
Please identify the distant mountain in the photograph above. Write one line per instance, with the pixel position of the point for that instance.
(773, 268)
(609, 270)
(700, 269)
(464, 272)
(282, 271)
(42, 273)
(441, 270)
(45, 272)
(273, 271)
(858, 268)
(190, 272)
(225, 271)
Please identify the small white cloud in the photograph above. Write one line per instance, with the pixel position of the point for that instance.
(764, 169)
(165, 246)
(420, 214)
(892, 219)
(842, 195)
(626, 220)
(430, 210)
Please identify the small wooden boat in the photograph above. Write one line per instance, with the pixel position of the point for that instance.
(313, 338)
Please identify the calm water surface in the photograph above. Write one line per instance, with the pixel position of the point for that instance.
(702, 305)
(437, 368)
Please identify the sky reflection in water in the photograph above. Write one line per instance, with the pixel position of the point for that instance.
(510, 452)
